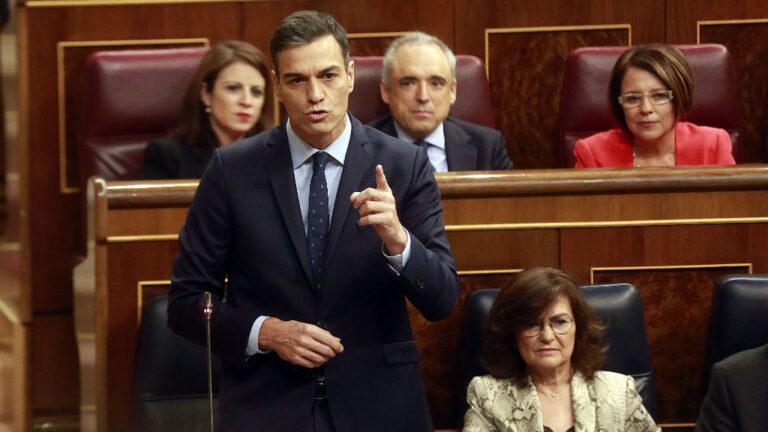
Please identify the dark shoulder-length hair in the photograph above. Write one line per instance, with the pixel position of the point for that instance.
(195, 125)
(520, 304)
(667, 64)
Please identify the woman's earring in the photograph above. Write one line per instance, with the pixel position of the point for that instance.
(207, 109)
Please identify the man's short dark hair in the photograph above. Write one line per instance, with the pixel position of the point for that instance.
(304, 27)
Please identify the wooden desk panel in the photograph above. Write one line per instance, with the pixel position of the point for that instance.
(674, 268)
(671, 232)
(14, 370)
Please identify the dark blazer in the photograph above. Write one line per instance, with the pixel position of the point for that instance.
(245, 224)
(468, 147)
(737, 399)
(173, 158)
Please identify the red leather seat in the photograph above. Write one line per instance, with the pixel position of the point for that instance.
(131, 97)
(365, 101)
(473, 99)
(584, 108)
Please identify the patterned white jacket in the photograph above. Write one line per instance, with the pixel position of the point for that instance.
(608, 402)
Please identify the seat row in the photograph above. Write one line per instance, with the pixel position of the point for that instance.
(132, 97)
(171, 374)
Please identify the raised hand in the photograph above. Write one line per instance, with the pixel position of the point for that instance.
(377, 208)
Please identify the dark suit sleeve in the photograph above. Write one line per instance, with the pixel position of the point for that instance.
(716, 414)
(156, 163)
(500, 156)
(429, 277)
(205, 246)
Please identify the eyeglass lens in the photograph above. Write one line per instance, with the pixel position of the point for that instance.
(559, 324)
(660, 97)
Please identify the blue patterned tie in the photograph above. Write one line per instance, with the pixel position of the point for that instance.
(317, 229)
(425, 145)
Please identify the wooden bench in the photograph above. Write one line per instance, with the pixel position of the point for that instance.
(670, 232)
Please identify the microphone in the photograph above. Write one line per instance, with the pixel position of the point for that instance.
(207, 301)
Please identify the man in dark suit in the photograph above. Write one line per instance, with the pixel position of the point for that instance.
(314, 332)
(737, 400)
(419, 85)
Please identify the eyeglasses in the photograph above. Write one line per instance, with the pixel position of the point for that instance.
(560, 324)
(658, 97)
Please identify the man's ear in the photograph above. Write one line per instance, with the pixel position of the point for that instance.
(384, 91)
(454, 86)
(275, 86)
(351, 75)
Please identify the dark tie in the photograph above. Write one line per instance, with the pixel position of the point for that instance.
(425, 145)
(317, 224)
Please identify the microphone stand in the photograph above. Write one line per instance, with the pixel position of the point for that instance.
(207, 313)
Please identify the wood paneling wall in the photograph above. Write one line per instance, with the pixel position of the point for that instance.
(525, 74)
(45, 215)
(751, 67)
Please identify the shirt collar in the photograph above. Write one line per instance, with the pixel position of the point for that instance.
(436, 138)
(301, 151)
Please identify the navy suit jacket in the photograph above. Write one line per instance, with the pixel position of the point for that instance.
(737, 400)
(468, 147)
(245, 224)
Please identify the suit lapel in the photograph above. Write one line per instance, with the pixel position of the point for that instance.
(682, 155)
(461, 154)
(281, 176)
(388, 127)
(584, 409)
(356, 164)
(526, 401)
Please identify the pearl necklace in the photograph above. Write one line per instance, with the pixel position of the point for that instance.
(669, 160)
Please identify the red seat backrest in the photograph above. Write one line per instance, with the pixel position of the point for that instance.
(131, 97)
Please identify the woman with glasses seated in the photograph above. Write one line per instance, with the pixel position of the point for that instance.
(542, 349)
(651, 88)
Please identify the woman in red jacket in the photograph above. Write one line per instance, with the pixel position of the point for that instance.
(651, 87)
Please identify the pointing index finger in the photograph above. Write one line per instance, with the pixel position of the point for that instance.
(381, 179)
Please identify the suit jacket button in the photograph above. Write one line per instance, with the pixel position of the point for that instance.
(419, 284)
(322, 324)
